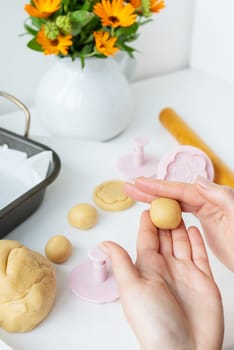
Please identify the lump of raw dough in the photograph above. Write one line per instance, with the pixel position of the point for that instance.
(165, 213)
(83, 216)
(58, 249)
(27, 287)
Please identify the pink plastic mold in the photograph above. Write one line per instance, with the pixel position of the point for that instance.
(138, 163)
(93, 280)
(184, 164)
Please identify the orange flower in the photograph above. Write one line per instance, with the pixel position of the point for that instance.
(42, 8)
(54, 47)
(156, 5)
(135, 3)
(115, 13)
(105, 43)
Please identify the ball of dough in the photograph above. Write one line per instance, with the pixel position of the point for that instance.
(165, 213)
(27, 287)
(83, 216)
(58, 249)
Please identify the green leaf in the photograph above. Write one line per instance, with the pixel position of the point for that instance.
(81, 16)
(127, 31)
(82, 61)
(38, 22)
(132, 38)
(126, 48)
(33, 44)
(93, 25)
(87, 49)
(145, 22)
(65, 5)
(76, 29)
(30, 30)
(88, 39)
(86, 5)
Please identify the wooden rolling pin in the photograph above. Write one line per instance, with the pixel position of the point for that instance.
(186, 136)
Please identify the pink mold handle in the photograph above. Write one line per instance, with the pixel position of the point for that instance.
(184, 164)
(138, 163)
(93, 280)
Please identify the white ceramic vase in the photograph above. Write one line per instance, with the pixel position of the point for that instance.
(92, 103)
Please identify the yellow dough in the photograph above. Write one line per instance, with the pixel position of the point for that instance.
(83, 216)
(27, 287)
(58, 249)
(110, 196)
(165, 213)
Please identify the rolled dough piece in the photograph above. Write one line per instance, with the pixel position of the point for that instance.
(110, 196)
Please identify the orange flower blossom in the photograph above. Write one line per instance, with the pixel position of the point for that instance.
(58, 46)
(105, 43)
(115, 13)
(156, 5)
(42, 8)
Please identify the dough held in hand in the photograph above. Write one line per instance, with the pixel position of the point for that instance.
(27, 287)
(165, 213)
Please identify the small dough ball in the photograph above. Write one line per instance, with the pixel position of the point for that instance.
(83, 216)
(165, 213)
(58, 249)
(27, 287)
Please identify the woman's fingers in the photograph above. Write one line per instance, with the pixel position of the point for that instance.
(221, 196)
(123, 268)
(165, 243)
(132, 191)
(145, 189)
(147, 235)
(181, 243)
(199, 253)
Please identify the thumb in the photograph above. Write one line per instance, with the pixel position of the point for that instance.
(123, 268)
(219, 195)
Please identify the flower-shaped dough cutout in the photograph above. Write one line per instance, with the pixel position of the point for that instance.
(111, 193)
(110, 196)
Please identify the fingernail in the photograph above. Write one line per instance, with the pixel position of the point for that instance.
(103, 246)
(203, 182)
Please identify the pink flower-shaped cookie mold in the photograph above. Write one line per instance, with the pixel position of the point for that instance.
(184, 164)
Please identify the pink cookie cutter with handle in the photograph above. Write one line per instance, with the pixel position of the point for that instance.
(93, 280)
(138, 163)
(184, 164)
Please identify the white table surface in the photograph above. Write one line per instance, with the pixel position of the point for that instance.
(207, 104)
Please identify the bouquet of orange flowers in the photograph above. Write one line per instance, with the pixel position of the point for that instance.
(85, 28)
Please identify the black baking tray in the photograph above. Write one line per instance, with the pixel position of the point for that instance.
(21, 208)
(25, 205)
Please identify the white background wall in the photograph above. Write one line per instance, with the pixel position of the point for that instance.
(213, 39)
(164, 46)
(165, 43)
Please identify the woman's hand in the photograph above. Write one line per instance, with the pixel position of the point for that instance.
(212, 204)
(169, 296)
